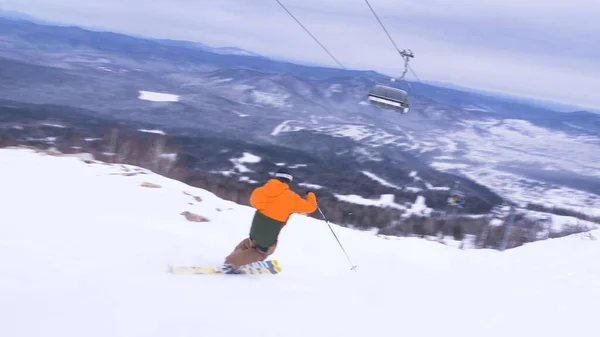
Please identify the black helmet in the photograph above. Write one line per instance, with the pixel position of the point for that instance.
(284, 175)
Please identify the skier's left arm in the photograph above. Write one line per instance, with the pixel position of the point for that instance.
(257, 197)
(307, 205)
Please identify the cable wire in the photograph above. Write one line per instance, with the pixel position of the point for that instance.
(311, 35)
(383, 27)
(405, 55)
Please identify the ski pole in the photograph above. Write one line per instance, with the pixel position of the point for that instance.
(338, 240)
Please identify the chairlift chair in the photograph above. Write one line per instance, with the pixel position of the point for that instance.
(389, 97)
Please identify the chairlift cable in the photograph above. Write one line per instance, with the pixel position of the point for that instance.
(414, 73)
(383, 26)
(404, 54)
(380, 94)
(311, 35)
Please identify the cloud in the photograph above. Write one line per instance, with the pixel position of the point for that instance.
(538, 48)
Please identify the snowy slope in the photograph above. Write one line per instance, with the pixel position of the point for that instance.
(85, 248)
(517, 159)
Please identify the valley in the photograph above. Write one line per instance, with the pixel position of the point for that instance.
(215, 107)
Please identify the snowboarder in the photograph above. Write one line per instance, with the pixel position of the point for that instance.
(274, 203)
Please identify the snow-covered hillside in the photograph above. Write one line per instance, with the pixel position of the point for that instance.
(157, 96)
(514, 158)
(85, 249)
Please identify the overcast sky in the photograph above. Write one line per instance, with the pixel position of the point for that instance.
(547, 49)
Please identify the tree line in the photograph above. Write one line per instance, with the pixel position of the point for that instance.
(153, 151)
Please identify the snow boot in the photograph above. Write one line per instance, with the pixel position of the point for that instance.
(229, 269)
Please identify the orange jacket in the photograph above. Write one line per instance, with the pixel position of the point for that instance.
(275, 200)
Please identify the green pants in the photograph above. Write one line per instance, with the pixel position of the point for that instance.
(264, 230)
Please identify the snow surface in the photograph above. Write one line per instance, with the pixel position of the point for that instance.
(312, 186)
(247, 179)
(502, 154)
(473, 108)
(385, 200)
(85, 253)
(52, 125)
(429, 186)
(158, 132)
(485, 150)
(520, 189)
(380, 180)
(419, 208)
(246, 158)
(285, 127)
(333, 89)
(367, 135)
(448, 166)
(157, 96)
(488, 151)
(272, 99)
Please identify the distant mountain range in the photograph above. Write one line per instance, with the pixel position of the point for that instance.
(519, 151)
(18, 16)
(547, 104)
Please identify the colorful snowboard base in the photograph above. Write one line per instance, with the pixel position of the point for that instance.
(263, 267)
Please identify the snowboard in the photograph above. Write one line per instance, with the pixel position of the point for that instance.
(262, 267)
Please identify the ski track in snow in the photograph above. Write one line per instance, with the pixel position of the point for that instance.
(157, 96)
(85, 253)
(158, 132)
(248, 158)
(381, 180)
